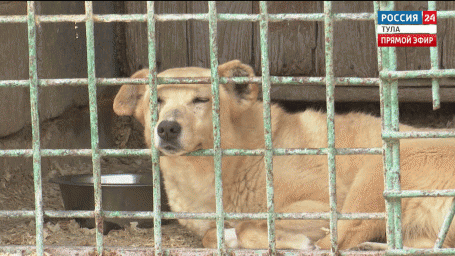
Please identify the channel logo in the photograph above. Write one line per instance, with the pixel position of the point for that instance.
(407, 28)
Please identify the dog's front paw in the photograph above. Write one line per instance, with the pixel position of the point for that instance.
(324, 243)
(231, 238)
(209, 240)
(370, 246)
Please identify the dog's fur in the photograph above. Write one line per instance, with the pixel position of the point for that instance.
(301, 182)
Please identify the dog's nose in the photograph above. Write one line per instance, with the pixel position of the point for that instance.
(169, 130)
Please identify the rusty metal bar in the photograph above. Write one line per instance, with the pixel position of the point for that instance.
(89, 250)
(434, 66)
(36, 142)
(216, 127)
(268, 156)
(417, 134)
(105, 18)
(384, 90)
(330, 99)
(189, 215)
(90, 34)
(153, 97)
(445, 227)
(419, 193)
(275, 81)
(205, 152)
(394, 75)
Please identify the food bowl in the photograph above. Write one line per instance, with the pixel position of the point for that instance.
(120, 192)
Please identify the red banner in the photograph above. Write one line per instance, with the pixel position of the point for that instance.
(430, 17)
(407, 40)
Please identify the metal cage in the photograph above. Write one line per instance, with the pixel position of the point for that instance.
(387, 82)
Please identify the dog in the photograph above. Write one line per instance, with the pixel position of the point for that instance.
(300, 181)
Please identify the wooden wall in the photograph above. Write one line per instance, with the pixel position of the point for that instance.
(295, 48)
(61, 53)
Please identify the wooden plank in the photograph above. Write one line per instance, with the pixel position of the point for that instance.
(136, 39)
(446, 36)
(354, 51)
(61, 54)
(171, 38)
(418, 58)
(172, 47)
(293, 46)
(198, 36)
(297, 48)
(15, 103)
(356, 94)
(234, 38)
(412, 58)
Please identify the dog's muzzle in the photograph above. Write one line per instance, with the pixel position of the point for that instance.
(169, 132)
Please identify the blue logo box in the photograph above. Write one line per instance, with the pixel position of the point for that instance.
(399, 17)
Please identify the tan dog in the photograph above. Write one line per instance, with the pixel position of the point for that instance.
(301, 182)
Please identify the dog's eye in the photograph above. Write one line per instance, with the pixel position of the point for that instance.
(159, 101)
(200, 100)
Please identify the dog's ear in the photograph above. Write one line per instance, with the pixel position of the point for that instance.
(129, 95)
(246, 94)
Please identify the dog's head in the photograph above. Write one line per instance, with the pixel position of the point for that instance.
(185, 110)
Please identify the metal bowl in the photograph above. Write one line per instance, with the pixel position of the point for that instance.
(120, 192)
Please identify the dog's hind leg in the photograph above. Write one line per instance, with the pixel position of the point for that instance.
(290, 234)
(365, 195)
(253, 234)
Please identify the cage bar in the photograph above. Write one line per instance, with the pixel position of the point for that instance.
(36, 141)
(275, 81)
(105, 18)
(268, 156)
(419, 193)
(417, 134)
(411, 74)
(90, 34)
(205, 152)
(384, 91)
(189, 215)
(155, 156)
(434, 66)
(330, 99)
(445, 227)
(216, 127)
